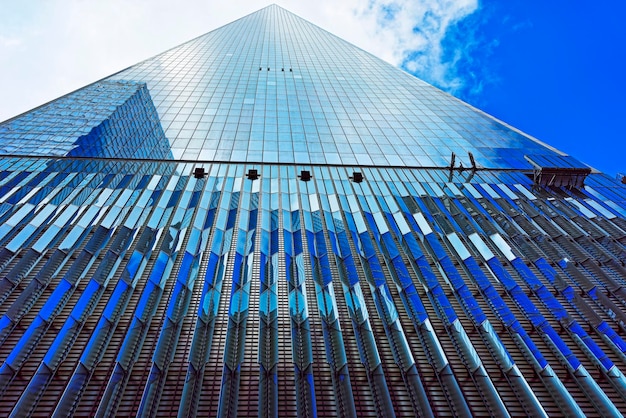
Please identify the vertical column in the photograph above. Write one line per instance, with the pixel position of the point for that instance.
(268, 297)
(298, 306)
(326, 303)
(239, 297)
(180, 297)
(226, 207)
(354, 299)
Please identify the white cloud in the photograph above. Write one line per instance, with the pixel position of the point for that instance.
(413, 32)
(10, 42)
(53, 47)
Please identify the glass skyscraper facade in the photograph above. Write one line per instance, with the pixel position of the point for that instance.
(269, 221)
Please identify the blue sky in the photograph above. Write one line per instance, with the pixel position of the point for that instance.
(553, 69)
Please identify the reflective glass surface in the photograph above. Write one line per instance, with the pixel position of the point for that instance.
(271, 87)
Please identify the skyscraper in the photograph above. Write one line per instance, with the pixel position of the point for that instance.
(269, 221)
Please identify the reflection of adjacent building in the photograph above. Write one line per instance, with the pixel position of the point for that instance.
(108, 119)
(304, 249)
